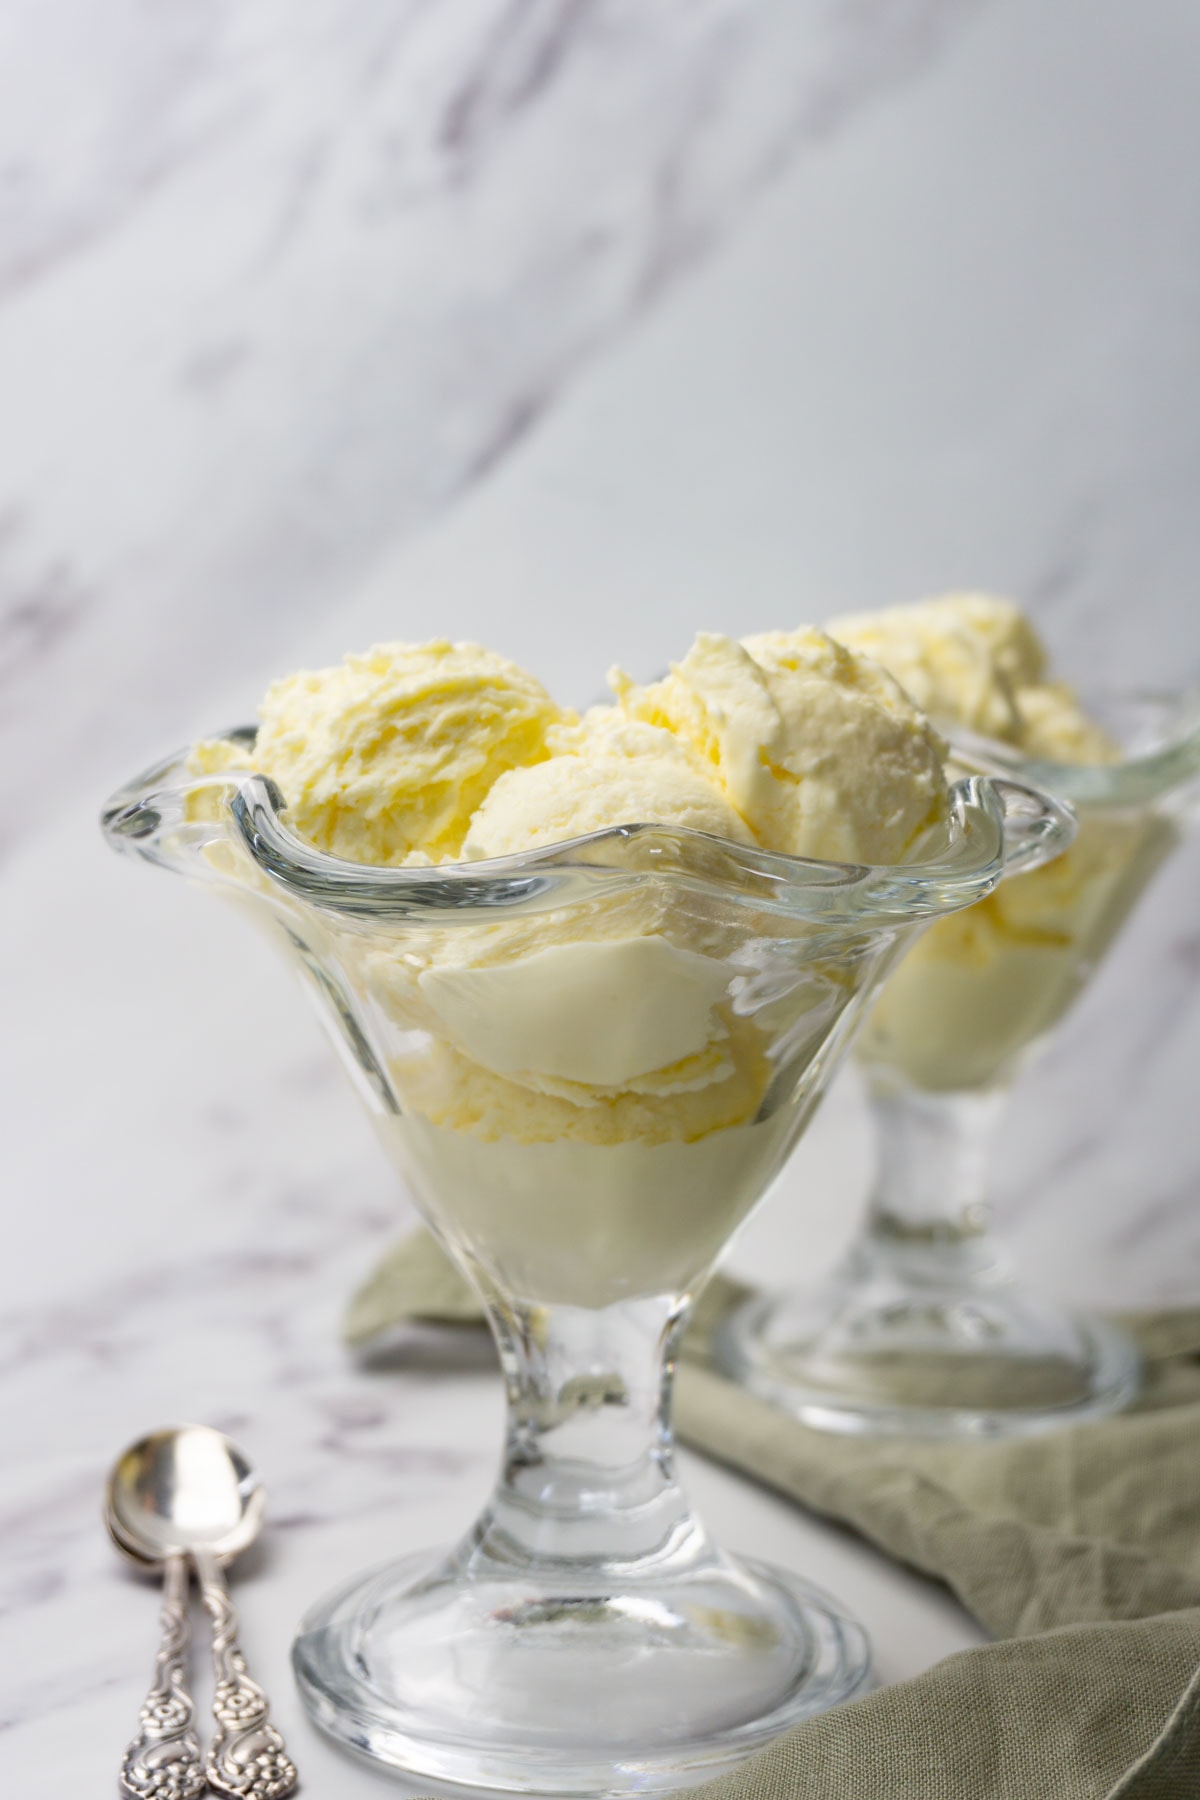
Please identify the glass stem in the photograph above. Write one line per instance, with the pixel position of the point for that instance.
(929, 1215)
(588, 1466)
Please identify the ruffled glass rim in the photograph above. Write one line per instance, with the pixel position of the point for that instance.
(996, 826)
(1163, 759)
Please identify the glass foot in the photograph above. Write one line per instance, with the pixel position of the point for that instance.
(967, 1362)
(482, 1673)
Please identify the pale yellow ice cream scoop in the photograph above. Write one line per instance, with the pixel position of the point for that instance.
(975, 660)
(960, 657)
(816, 748)
(605, 772)
(389, 754)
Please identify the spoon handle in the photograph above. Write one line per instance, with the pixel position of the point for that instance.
(164, 1758)
(246, 1757)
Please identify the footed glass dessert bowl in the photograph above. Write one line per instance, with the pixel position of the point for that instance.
(923, 1327)
(588, 1061)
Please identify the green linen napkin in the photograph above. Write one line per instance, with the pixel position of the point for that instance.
(1080, 1550)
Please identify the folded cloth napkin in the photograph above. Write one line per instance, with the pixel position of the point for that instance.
(1079, 1549)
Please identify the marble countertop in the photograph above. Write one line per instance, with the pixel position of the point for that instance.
(569, 325)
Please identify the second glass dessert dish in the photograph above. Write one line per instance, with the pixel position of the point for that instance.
(924, 1327)
(588, 1061)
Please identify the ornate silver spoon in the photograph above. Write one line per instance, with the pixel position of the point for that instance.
(188, 1492)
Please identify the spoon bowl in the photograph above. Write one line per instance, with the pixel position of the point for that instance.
(180, 1490)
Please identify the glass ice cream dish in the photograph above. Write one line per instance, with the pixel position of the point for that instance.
(588, 1058)
(923, 1327)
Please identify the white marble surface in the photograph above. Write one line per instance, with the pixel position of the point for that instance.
(572, 325)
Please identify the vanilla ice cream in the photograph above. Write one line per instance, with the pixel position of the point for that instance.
(590, 1094)
(975, 660)
(979, 988)
(817, 749)
(387, 756)
(583, 1094)
(604, 772)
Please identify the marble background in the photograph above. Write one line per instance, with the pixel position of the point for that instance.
(572, 325)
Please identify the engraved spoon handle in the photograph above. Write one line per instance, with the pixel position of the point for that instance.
(163, 1762)
(246, 1757)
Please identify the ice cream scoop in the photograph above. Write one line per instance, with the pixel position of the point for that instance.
(605, 772)
(817, 749)
(387, 755)
(975, 661)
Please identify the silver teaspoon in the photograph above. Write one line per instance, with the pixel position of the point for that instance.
(188, 1492)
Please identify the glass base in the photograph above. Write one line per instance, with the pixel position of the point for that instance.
(482, 1673)
(973, 1361)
